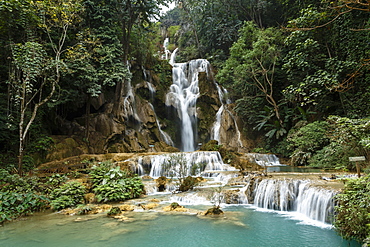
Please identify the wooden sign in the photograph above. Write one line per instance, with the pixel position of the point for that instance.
(357, 158)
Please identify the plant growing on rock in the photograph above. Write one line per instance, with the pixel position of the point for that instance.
(177, 166)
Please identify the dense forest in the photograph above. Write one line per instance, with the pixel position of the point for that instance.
(297, 71)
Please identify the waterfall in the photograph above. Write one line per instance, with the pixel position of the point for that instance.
(129, 103)
(316, 203)
(183, 95)
(264, 160)
(295, 195)
(215, 134)
(165, 46)
(166, 138)
(206, 164)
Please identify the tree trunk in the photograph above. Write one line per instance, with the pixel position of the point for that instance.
(87, 119)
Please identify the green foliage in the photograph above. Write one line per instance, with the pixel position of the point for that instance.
(122, 189)
(306, 140)
(250, 71)
(19, 196)
(110, 183)
(67, 195)
(16, 183)
(84, 209)
(174, 205)
(114, 211)
(54, 181)
(352, 220)
(188, 183)
(16, 204)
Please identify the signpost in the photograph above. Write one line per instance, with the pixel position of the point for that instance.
(357, 159)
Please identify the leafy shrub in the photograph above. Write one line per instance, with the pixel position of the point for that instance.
(332, 156)
(54, 181)
(106, 172)
(307, 140)
(114, 211)
(16, 183)
(15, 204)
(188, 183)
(67, 195)
(120, 190)
(353, 210)
(110, 183)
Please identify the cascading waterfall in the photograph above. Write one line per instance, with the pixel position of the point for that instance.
(166, 138)
(183, 96)
(215, 134)
(295, 195)
(129, 103)
(284, 195)
(316, 203)
(165, 46)
(206, 164)
(265, 159)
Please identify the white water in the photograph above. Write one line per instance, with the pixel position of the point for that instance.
(167, 53)
(206, 164)
(183, 96)
(129, 102)
(166, 137)
(296, 197)
(215, 135)
(265, 159)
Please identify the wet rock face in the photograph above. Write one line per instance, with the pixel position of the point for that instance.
(139, 120)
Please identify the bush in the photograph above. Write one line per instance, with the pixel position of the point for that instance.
(15, 204)
(307, 140)
(352, 220)
(19, 195)
(67, 195)
(16, 183)
(110, 183)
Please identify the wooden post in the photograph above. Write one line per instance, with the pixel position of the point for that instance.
(358, 169)
(357, 159)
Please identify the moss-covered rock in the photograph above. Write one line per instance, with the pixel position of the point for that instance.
(214, 211)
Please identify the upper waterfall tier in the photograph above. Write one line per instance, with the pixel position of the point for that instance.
(183, 96)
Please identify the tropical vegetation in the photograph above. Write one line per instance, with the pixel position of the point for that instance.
(297, 71)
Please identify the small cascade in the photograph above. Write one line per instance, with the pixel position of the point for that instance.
(183, 96)
(295, 195)
(264, 159)
(316, 203)
(129, 102)
(166, 138)
(151, 89)
(151, 187)
(167, 53)
(238, 135)
(215, 135)
(206, 164)
(147, 79)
